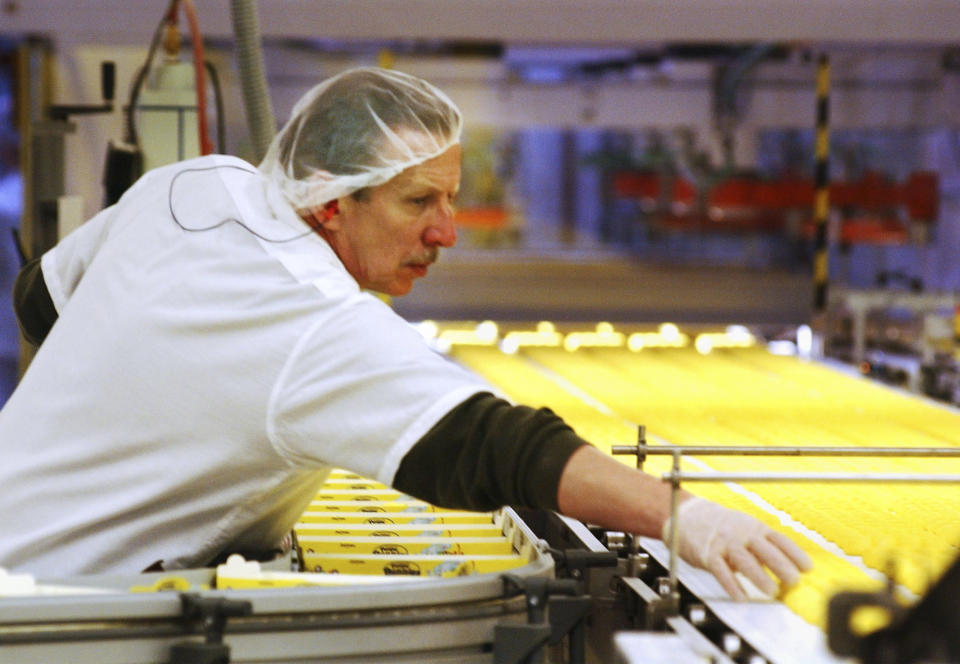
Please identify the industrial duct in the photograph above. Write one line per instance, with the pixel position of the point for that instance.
(259, 111)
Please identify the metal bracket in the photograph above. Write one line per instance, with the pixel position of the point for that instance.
(567, 616)
(522, 644)
(107, 85)
(519, 644)
(575, 562)
(667, 603)
(650, 608)
(212, 612)
(639, 450)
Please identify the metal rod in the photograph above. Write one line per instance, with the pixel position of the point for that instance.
(753, 450)
(674, 526)
(889, 478)
(634, 539)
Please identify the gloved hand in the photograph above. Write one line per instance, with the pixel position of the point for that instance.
(726, 541)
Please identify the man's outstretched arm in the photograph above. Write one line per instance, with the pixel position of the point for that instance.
(597, 489)
(486, 453)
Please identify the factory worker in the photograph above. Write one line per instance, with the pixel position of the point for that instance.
(210, 349)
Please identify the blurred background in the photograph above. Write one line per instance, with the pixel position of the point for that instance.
(630, 161)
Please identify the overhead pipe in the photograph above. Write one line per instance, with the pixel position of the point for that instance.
(256, 97)
(728, 86)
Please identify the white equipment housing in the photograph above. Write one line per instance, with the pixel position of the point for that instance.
(167, 115)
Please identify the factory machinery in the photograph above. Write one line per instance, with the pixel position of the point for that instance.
(864, 477)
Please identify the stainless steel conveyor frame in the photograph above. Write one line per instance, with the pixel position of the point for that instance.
(96, 619)
(669, 594)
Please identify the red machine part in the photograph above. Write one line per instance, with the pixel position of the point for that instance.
(870, 207)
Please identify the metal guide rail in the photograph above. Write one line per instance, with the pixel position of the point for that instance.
(930, 642)
(703, 625)
(642, 449)
(634, 617)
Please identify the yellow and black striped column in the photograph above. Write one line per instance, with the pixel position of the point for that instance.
(821, 205)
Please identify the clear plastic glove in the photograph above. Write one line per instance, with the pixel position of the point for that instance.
(725, 541)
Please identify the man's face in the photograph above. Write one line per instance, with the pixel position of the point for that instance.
(389, 238)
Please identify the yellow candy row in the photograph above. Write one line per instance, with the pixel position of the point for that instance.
(359, 527)
(750, 397)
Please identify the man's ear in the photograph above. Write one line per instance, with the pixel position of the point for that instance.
(325, 218)
(331, 209)
(329, 214)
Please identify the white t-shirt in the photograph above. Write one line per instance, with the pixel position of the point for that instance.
(206, 371)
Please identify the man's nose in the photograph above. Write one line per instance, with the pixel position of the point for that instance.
(443, 231)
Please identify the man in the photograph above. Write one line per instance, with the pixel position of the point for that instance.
(212, 352)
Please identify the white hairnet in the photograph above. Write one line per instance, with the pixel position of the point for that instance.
(358, 129)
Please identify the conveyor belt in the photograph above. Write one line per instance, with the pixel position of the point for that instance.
(374, 617)
(377, 567)
(751, 397)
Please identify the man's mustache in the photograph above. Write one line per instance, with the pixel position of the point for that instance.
(426, 258)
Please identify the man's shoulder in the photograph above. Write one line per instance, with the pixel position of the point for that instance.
(211, 177)
(224, 164)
